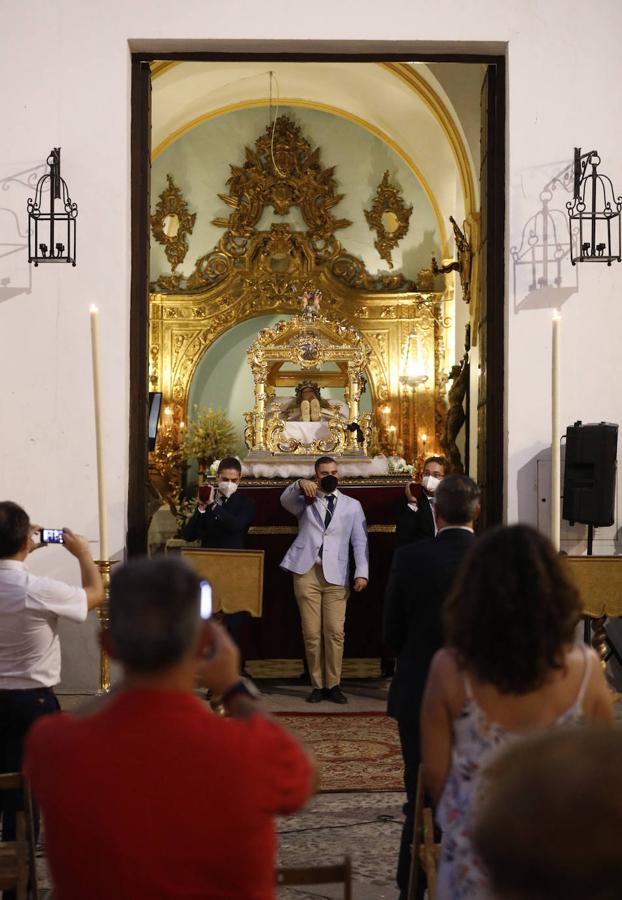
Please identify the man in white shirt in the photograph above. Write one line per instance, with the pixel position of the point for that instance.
(30, 659)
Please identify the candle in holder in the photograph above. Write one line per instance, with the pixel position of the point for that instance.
(424, 441)
(386, 412)
(99, 443)
(555, 435)
(392, 436)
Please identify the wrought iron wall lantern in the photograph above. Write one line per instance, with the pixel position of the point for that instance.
(593, 214)
(52, 235)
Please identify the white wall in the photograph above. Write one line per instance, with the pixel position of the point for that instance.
(563, 71)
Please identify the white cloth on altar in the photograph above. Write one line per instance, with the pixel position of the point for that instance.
(306, 432)
(379, 465)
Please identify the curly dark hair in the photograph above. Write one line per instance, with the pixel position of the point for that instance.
(512, 610)
(307, 383)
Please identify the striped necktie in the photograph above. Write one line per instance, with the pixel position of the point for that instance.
(329, 512)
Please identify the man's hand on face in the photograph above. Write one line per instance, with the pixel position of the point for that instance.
(77, 544)
(219, 661)
(360, 584)
(308, 487)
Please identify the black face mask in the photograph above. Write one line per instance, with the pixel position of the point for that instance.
(328, 483)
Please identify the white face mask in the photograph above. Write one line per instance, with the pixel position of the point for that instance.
(430, 483)
(227, 488)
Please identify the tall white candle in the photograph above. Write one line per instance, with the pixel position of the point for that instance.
(99, 443)
(555, 432)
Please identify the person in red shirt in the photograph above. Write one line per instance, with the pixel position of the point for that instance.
(151, 796)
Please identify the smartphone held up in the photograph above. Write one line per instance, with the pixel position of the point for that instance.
(206, 600)
(205, 493)
(52, 536)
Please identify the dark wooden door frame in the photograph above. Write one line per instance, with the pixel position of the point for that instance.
(139, 301)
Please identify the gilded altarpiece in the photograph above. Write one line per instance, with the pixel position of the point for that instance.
(253, 272)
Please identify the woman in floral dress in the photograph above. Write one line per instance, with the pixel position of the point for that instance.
(510, 667)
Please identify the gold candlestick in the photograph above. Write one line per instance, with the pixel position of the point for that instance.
(104, 566)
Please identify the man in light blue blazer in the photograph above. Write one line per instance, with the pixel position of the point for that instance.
(328, 522)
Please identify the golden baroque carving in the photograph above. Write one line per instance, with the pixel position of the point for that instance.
(352, 272)
(463, 264)
(171, 224)
(389, 217)
(282, 171)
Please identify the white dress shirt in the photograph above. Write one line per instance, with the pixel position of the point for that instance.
(29, 610)
(322, 500)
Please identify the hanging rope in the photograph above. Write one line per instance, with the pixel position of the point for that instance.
(271, 76)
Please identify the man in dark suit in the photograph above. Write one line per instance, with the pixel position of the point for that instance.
(221, 522)
(420, 578)
(415, 521)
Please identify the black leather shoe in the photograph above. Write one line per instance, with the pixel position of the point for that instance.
(316, 696)
(336, 695)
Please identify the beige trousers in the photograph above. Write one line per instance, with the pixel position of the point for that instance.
(322, 611)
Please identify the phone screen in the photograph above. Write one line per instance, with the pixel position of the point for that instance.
(206, 599)
(52, 536)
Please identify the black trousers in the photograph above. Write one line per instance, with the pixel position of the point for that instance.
(411, 753)
(18, 710)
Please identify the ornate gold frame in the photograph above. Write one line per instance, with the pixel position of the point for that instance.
(172, 202)
(388, 199)
(308, 341)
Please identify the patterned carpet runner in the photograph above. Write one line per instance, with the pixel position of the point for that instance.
(354, 751)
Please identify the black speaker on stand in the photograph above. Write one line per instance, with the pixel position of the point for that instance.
(590, 480)
(590, 476)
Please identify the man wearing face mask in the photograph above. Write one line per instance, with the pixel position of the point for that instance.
(416, 518)
(221, 522)
(328, 523)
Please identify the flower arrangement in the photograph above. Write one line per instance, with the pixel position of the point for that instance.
(210, 435)
(399, 466)
(168, 462)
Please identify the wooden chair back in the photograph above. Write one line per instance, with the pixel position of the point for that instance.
(18, 870)
(341, 873)
(424, 850)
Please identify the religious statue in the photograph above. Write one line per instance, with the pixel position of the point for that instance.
(310, 303)
(308, 405)
(456, 415)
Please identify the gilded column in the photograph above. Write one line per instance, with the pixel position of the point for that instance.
(353, 405)
(260, 412)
